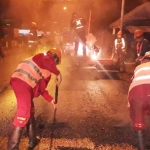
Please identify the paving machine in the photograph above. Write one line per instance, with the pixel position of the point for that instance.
(93, 59)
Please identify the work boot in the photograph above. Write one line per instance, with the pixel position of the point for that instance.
(14, 138)
(33, 140)
(140, 142)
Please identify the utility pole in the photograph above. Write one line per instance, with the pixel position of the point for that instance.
(122, 15)
(89, 25)
(90, 17)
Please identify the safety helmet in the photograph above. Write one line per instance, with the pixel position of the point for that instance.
(33, 24)
(146, 56)
(138, 33)
(56, 53)
(119, 33)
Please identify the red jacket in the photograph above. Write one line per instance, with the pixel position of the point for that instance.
(141, 77)
(43, 62)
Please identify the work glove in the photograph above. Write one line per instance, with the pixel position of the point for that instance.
(128, 105)
(54, 105)
(58, 79)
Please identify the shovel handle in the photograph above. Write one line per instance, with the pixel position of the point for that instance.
(56, 95)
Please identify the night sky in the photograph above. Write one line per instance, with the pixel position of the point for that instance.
(111, 11)
(104, 12)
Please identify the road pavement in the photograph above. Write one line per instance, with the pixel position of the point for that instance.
(91, 113)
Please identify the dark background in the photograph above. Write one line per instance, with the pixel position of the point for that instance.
(46, 12)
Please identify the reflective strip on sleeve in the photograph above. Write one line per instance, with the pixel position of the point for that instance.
(79, 27)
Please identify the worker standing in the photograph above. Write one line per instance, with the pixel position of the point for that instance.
(119, 50)
(142, 45)
(33, 36)
(30, 80)
(33, 31)
(78, 28)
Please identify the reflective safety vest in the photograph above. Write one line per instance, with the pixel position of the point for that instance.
(78, 24)
(30, 72)
(141, 75)
(119, 44)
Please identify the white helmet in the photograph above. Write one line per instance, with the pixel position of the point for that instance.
(146, 56)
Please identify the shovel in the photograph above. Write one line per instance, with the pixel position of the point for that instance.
(42, 126)
(55, 102)
(54, 118)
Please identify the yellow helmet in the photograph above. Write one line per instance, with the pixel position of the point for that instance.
(33, 24)
(119, 33)
(146, 56)
(56, 53)
(138, 33)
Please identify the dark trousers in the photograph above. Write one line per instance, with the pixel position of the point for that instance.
(121, 55)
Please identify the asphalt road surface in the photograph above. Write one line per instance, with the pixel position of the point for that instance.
(91, 113)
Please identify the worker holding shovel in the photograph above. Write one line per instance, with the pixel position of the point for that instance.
(30, 80)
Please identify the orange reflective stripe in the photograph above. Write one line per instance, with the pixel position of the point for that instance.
(30, 72)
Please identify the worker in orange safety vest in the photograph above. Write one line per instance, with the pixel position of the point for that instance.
(119, 50)
(142, 45)
(33, 32)
(30, 80)
(139, 99)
